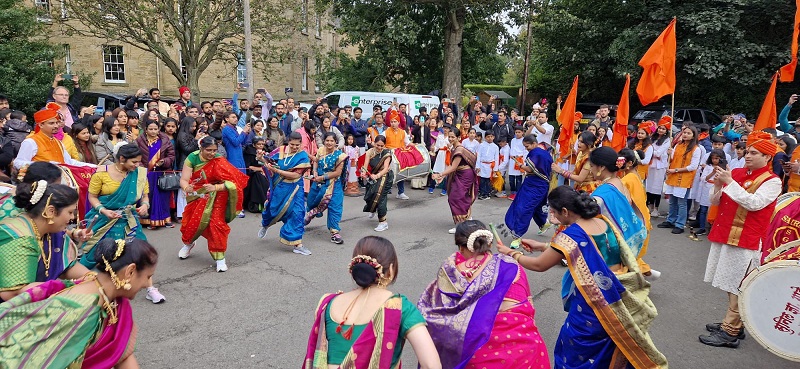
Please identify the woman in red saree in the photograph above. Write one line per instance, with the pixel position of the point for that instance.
(213, 189)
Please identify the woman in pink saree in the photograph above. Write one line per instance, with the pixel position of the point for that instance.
(479, 308)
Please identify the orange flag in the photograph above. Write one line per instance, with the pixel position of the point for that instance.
(768, 117)
(620, 138)
(787, 71)
(658, 77)
(567, 121)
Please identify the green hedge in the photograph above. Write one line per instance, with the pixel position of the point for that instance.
(511, 90)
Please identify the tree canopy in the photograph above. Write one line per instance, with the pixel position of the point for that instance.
(26, 71)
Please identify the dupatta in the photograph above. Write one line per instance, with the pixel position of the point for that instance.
(376, 341)
(200, 205)
(619, 302)
(619, 210)
(460, 313)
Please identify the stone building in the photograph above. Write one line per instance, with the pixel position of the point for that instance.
(117, 67)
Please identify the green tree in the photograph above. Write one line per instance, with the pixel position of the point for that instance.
(25, 57)
(418, 45)
(727, 49)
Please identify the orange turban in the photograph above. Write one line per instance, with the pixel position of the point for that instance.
(392, 115)
(649, 126)
(666, 121)
(763, 142)
(578, 116)
(50, 111)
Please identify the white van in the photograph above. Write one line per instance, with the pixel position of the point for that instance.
(366, 100)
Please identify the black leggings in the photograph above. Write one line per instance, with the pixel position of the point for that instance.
(654, 199)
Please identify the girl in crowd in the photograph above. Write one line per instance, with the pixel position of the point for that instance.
(643, 142)
(657, 170)
(95, 125)
(598, 322)
(327, 189)
(93, 316)
(532, 196)
(108, 140)
(353, 152)
(379, 178)
(603, 137)
(258, 130)
(170, 128)
(471, 142)
(257, 186)
(462, 185)
(188, 136)
(490, 297)
(685, 159)
(83, 143)
(716, 159)
(367, 327)
(36, 247)
(158, 155)
(326, 127)
(308, 133)
(583, 177)
(273, 132)
(615, 199)
(287, 201)
(429, 136)
(152, 115)
(213, 188)
(629, 175)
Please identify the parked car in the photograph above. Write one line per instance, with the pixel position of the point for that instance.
(110, 101)
(694, 115)
(588, 109)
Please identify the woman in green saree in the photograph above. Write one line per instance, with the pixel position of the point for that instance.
(85, 324)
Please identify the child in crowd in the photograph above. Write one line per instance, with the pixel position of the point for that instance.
(716, 159)
(517, 154)
(503, 167)
(738, 161)
(718, 143)
(353, 152)
(471, 143)
(488, 160)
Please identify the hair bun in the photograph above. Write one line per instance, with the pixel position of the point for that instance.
(588, 205)
(364, 274)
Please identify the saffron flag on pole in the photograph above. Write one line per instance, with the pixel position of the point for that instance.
(787, 71)
(768, 117)
(658, 76)
(567, 121)
(620, 138)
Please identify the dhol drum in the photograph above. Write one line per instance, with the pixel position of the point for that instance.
(784, 227)
(769, 303)
(413, 171)
(78, 178)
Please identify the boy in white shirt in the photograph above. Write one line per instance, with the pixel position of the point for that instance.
(516, 150)
(503, 167)
(488, 160)
(738, 161)
(471, 143)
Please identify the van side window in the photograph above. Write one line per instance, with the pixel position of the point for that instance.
(333, 100)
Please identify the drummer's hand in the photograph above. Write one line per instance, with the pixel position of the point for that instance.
(111, 214)
(533, 245)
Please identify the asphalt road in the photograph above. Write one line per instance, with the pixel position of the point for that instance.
(259, 313)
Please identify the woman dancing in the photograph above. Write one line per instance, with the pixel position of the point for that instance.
(583, 177)
(489, 296)
(367, 327)
(327, 190)
(158, 155)
(378, 178)
(257, 186)
(213, 188)
(461, 180)
(604, 294)
(531, 200)
(287, 201)
(88, 324)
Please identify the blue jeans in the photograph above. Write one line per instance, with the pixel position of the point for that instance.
(702, 214)
(678, 210)
(485, 186)
(516, 181)
(401, 187)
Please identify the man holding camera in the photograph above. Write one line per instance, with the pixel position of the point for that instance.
(60, 95)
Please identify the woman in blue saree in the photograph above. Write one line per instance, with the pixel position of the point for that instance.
(531, 198)
(158, 155)
(286, 201)
(327, 190)
(604, 293)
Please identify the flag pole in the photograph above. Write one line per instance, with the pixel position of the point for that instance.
(672, 116)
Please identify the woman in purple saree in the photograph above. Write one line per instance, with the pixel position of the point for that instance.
(479, 308)
(158, 155)
(61, 324)
(462, 181)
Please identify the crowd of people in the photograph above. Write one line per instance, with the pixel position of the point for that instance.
(80, 188)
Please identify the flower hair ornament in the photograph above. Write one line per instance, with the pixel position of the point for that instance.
(636, 154)
(119, 283)
(474, 235)
(620, 162)
(22, 172)
(366, 259)
(38, 191)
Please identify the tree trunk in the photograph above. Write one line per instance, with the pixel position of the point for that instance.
(193, 82)
(453, 43)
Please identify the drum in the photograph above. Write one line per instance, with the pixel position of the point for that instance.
(420, 170)
(769, 303)
(784, 226)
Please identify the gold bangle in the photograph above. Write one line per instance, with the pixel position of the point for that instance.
(517, 255)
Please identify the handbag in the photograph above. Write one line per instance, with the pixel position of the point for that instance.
(169, 182)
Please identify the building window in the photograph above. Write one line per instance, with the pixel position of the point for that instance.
(113, 63)
(67, 59)
(318, 31)
(304, 77)
(43, 7)
(183, 66)
(318, 67)
(63, 9)
(241, 69)
(304, 14)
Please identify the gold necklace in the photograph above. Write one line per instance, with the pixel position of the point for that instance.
(40, 242)
(108, 306)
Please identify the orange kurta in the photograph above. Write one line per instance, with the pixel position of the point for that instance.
(679, 160)
(48, 148)
(794, 178)
(395, 138)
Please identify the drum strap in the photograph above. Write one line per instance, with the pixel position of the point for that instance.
(780, 250)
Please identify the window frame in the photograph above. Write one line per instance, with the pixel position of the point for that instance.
(120, 62)
(68, 58)
(304, 74)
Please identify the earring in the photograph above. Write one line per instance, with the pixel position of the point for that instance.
(600, 173)
(126, 286)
